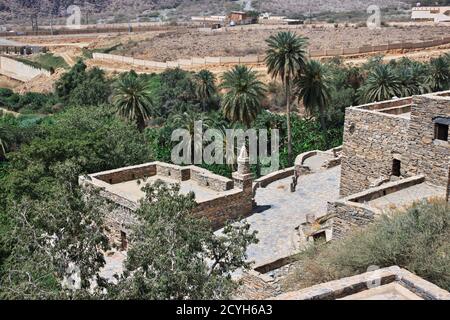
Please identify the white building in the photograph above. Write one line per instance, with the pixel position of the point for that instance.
(436, 14)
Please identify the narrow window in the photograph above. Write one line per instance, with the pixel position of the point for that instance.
(396, 166)
(441, 131)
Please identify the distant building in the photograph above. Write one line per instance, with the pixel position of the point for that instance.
(17, 48)
(436, 14)
(267, 18)
(210, 21)
(240, 18)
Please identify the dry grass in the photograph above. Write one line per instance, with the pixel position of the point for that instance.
(171, 46)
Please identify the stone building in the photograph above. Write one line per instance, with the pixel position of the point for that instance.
(218, 198)
(394, 153)
(399, 138)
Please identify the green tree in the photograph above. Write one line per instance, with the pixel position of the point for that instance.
(176, 255)
(93, 138)
(47, 242)
(312, 86)
(285, 58)
(205, 87)
(381, 84)
(244, 93)
(439, 74)
(82, 87)
(133, 99)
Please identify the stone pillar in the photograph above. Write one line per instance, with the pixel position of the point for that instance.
(243, 177)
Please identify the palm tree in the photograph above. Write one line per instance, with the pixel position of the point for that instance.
(244, 93)
(381, 84)
(205, 87)
(132, 98)
(313, 87)
(439, 74)
(412, 81)
(285, 58)
(187, 120)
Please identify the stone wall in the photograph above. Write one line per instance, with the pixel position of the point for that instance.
(371, 141)
(349, 215)
(127, 174)
(352, 211)
(233, 205)
(426, 155)
(344, 287)
(234, 199)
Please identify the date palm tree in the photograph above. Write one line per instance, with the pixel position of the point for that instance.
(313, 87)
(285, 58)
(188, 120)
(439, 74)
(205, 87)
(133, 100)
(243, 95)
(381, 84)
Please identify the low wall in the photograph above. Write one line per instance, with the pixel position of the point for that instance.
(351, 285)
(250, 59)
(19, 70)
(385, 189)
(180, 63)
(231, 202)
(264, 181)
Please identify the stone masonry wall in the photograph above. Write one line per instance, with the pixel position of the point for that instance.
(426, 155)
(371, 140)
(232, 206)
(348, 215)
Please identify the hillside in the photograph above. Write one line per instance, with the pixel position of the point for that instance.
(18, 11)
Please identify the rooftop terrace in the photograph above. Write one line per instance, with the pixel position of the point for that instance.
(124, 185)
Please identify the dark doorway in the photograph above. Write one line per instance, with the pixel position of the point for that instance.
(123, 241)
(396, 166)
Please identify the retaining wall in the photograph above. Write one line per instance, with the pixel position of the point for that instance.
(19, 70)
(198, 61)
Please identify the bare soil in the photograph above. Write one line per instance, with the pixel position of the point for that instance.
(172, 46)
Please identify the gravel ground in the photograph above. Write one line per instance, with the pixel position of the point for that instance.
(170, 46)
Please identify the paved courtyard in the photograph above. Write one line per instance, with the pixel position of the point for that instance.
(279, 212)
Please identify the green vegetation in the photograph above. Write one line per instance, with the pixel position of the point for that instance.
(416, 240)
(132, 98)
(244, 93)
(93, 123)
(28, 103)
(171, 263)
(285, 58)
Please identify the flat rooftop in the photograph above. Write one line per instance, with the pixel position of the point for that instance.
(124, 185)
(407, 196)
(398, 107)
(391, 291)
(132, 189)
(392, 283)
